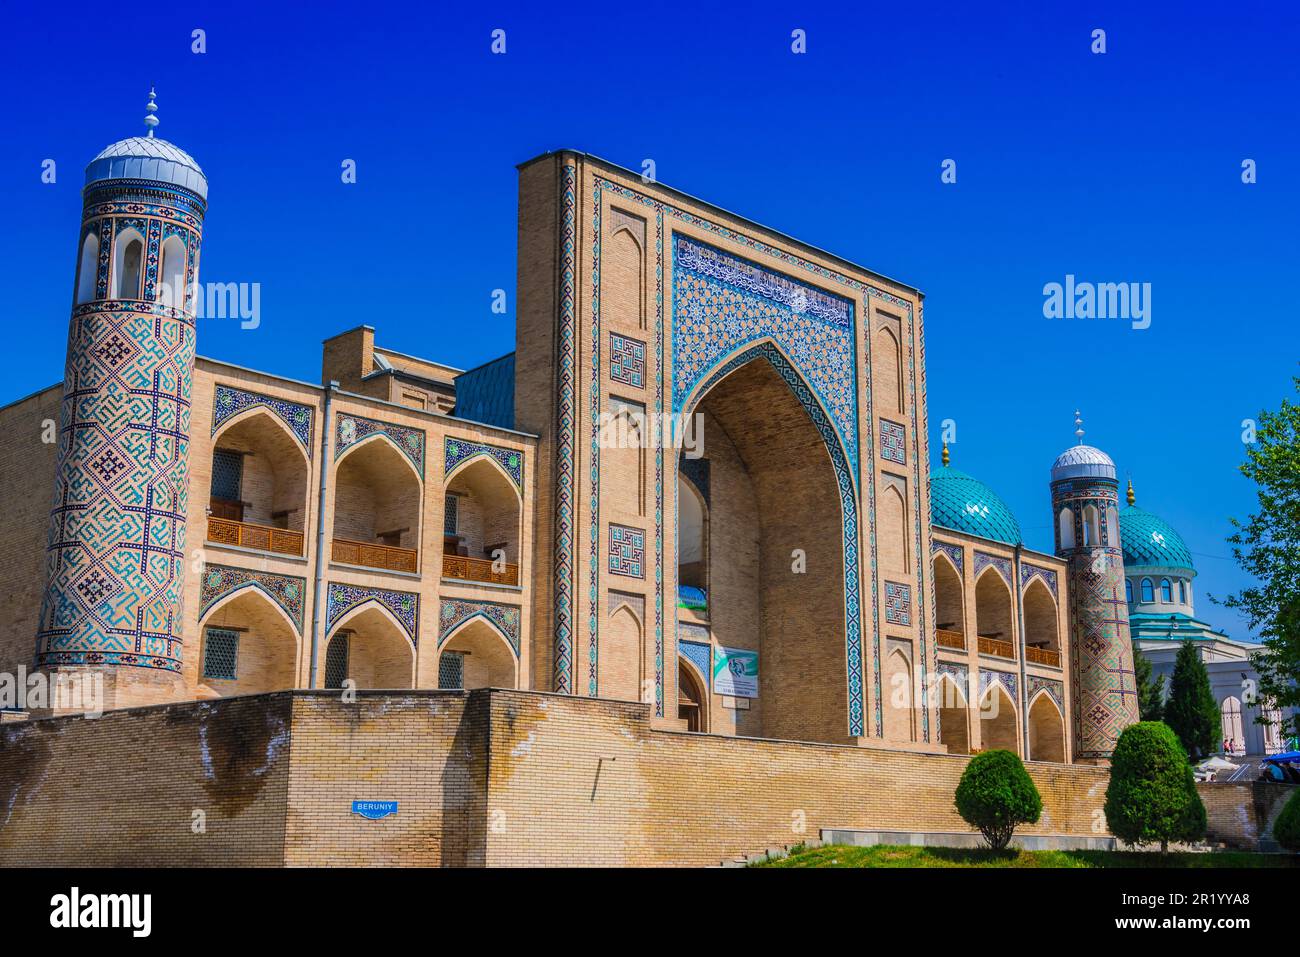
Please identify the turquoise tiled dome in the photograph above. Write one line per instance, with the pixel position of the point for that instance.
(1150, 540)
(966, 504)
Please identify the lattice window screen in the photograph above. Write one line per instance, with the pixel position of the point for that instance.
(451, 670)
(220, 653)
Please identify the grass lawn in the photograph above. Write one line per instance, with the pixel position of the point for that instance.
(889, 856)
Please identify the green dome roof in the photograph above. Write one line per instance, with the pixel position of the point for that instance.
(1149, 540)
(968, 505)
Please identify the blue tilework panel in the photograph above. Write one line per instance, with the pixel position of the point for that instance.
(898, 603)
(700, 655)
(626, 551)
(228, 402)
(116, 562)
(627, 360)
(893, 442)
(722, 303)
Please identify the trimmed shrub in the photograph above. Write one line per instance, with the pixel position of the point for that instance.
(995, 794)
(1286, 829)
(1152, 796)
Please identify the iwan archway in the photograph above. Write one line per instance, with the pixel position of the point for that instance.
(783, 572)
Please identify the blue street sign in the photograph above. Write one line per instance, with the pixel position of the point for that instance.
(374, 810)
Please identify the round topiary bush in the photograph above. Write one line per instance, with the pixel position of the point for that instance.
(995, 794)
(1152, 796)
(1286, 829)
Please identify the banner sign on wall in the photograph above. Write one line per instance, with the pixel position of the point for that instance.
(735, 672)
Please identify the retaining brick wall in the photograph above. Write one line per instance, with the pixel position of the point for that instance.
(485, 777)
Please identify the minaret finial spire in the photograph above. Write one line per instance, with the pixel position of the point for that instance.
(150, 120)
(1078, 426)
(946, 456)
(1131, 497)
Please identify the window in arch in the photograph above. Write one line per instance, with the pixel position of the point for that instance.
(1091, 535)
(451, 515)
(336, 661)
(1148, 594)
(87, 269)
(1067, 528)
(1182, 592)
(1166, 592)
(130, 259)
(171, 279)
(220, 653)
(1128, 590)
(451, 670)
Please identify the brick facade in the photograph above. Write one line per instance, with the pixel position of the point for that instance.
(485, 777)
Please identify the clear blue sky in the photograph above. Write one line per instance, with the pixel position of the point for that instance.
(1119, 167)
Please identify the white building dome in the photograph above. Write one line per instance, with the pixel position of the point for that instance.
(1083, 461)
(147, 157)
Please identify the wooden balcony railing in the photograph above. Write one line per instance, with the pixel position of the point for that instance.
(951, 639)
(478, 570)
(223, 531)
(1042, 656)
(374, 555)
(1001, 649)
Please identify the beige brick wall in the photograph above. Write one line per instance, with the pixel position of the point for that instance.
(503, 778)
(1240, 815)
(27, 466)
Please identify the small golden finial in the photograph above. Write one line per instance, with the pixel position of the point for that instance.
(946, 456)
(1131, 496)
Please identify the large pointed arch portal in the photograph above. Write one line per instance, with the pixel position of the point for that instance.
(755, 400)
(729, 311)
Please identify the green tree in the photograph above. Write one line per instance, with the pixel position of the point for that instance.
(1286, 829)
(1267, 546)
(1191, 710)
(1151, 694)
(995, 794)
(1151, 796)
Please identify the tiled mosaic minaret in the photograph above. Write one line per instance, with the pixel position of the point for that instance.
(1085, 502)
(116, 561)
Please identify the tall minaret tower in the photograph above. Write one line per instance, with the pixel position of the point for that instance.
(116, 555)
(1085, 503)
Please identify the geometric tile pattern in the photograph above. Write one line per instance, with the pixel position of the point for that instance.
(457, 451)
(566, 417)
(626, 551)
(288, 592)
(952, 551)
(404, 606)
(893, 442)
(228, 402)
(700, 655)
(116, 550)
(1105, 691)
(1035, 684)
(1046, 574)
(593, 523)
(983, 560)
(454, 612)
(990, 678)
(722, 302)
(353, 429)
(627, 360)
(898, 603)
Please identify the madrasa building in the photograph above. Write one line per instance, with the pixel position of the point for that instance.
(680, 554)
(786, 565)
